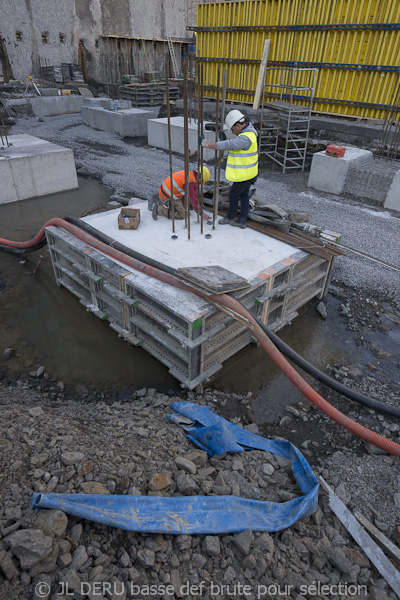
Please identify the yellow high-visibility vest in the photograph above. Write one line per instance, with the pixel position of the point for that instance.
(242, 165)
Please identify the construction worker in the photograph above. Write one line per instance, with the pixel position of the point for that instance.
(241, 166)
(160, 204)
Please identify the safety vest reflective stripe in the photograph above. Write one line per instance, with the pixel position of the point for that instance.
(178, 182)
(242, 165)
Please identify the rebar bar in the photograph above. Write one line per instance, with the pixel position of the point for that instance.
(217, 175)
(391, 148)
(169, 148)
(216, 155)
(186, 148)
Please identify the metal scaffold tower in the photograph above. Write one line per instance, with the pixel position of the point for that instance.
(285, 125)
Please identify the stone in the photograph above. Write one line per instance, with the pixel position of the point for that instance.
(72, 581)
(30, 546)
(321, 308)
(267, 469)
(71, 458)
(372, 449)
(7, 353)
(79, 557)
(42, 587)
(52, 522)
(396, 499)
(197, 457)
(211, 545)
(186, 484)
(243, 541)
(265, 543)
(36, 411)
(338, 559)
(146, 557)
(185, 465)
(160, 481)
(64, 560)
(343, 493)
(85, 467)
(230, 575)
(8, 565)
(94, 487)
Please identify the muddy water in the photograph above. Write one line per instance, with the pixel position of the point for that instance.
(48, 326)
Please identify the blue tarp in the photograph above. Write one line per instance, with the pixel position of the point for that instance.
(199, 514)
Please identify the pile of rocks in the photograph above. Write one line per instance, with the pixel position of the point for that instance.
(51, 444)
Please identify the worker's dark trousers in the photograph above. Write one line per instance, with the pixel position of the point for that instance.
(240, 192)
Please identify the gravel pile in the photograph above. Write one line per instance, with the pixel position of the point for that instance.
(54, 444)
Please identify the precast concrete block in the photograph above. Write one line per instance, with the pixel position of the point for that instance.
(158, 136)
(328, 174)
(56, 105)
(393, 196)
(33, 167)
(8, 192)
(130, 122)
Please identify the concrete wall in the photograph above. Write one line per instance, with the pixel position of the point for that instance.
(84, 21)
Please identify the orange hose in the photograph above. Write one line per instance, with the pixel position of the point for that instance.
(229, 302)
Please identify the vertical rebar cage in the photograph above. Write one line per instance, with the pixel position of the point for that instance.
(355, 46)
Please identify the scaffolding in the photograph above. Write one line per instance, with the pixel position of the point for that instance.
(285, 125)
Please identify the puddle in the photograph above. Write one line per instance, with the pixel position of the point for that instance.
(48, 326)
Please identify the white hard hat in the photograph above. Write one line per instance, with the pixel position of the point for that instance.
(233, 117)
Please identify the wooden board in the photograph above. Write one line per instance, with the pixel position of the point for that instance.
(214, 279)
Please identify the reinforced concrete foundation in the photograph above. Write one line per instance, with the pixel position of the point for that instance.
(33, 167)
(328, 174)
(56, 105)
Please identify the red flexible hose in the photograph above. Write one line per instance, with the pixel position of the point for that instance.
(229, 302)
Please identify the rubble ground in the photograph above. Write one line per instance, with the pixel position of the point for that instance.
(57, 440)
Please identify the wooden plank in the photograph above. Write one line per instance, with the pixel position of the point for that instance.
(212, 275)
(378, 536)
(261, 73)
(217, 289)
(366, 543)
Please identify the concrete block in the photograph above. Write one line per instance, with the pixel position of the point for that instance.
(328, 174)
(8, 193)
(33, 167)
(56, 105)
(158, 136)
(393, 196)
(130, 122)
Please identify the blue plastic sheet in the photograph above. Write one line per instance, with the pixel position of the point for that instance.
(199, 514)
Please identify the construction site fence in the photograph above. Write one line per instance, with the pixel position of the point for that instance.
(354, 45)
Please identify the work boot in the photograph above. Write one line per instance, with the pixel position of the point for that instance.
(154, 211)
(238, 224)
(151, 201)
(226, 221)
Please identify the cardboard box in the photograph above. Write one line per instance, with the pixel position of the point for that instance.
(129, 218)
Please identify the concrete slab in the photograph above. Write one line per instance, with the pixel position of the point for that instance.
(56, 105)
(253, 251)
(158, 135)
(131, 122)
(393, 196)
(33, 167)
(328, 174)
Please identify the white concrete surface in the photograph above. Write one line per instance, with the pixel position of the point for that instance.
(129, 122)
(393, 196)
(158, 135)
(328, 174)
(33, 167)
(56, 105)
(245, 252)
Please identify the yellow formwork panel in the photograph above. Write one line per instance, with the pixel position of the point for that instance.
(355, 46)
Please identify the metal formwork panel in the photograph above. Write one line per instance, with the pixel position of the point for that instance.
(355, 46)
(181, 330)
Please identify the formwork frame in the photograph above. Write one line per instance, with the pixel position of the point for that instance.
(184, 332)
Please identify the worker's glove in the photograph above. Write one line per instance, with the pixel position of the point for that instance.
(222, 136)
(203, 142)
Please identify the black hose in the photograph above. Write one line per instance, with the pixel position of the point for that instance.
(42, 243)
(325, 379)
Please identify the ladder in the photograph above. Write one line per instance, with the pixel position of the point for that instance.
(173, 58)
